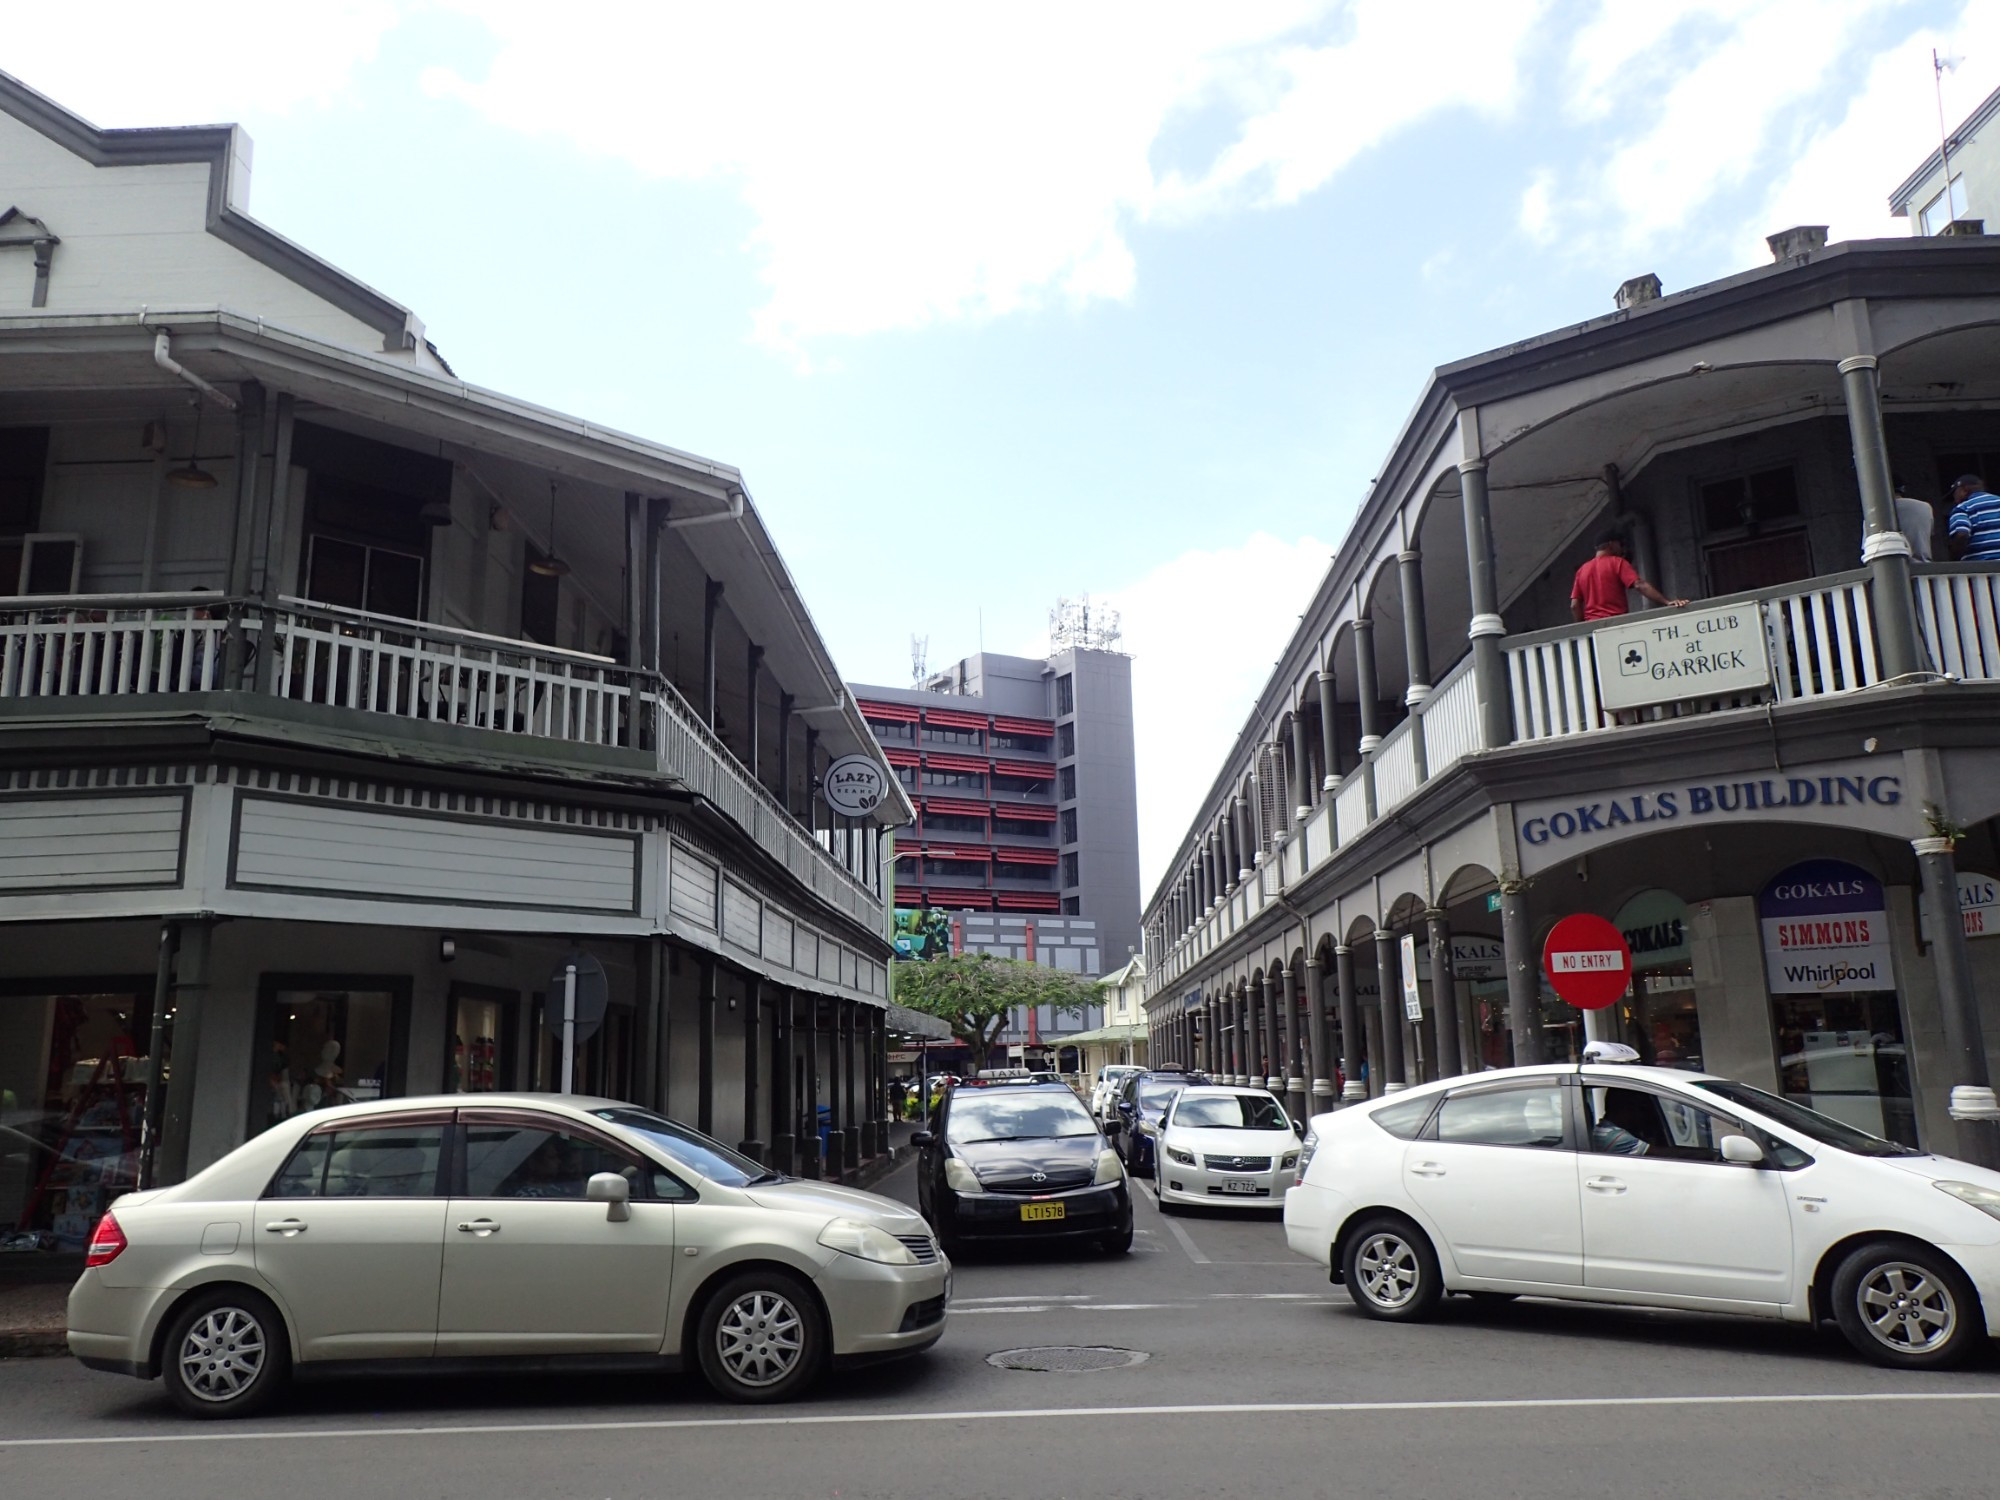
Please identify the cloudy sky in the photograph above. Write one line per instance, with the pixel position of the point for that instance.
(998, 303)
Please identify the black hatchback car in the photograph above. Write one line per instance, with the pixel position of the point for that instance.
(1021, 1161)
(1141, 1106)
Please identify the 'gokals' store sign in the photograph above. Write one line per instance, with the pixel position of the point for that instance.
(1826, 929)
(1849, 794)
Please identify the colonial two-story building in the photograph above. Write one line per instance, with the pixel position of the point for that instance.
(344, 705)
(1782, 795)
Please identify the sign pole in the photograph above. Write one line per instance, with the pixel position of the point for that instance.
(569, 1028)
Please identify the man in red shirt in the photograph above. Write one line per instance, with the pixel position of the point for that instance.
(1599, 590)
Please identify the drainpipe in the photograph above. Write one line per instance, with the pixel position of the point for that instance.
(163, 356)
(708, 517)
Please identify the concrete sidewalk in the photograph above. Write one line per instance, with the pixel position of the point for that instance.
(32, 1317)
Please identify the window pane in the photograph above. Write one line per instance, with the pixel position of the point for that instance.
(1529, 1116)
(1636, 1122)
(398, 1161)
(327, 1047)
(1404, 1118)
(504, 1160)
(395, 584)
(336, 572)
(304, 1176)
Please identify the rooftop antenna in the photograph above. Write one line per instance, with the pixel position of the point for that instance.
(1941, 65)
(1076, 625)
(920, 652)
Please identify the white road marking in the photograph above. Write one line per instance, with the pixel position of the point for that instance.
(1046, 1297)
(1187, 1243)
(1023, 1414)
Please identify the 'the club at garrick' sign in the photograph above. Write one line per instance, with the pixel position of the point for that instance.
(1665, 656)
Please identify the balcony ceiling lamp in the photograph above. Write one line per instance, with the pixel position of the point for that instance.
(191, 475)
(550, 566)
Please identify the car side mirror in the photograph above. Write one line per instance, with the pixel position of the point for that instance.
(922, 1138)
(1742, 1150)
(1113, 1125)
(609, 1188)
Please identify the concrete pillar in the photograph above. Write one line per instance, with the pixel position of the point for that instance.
(1317, 980)
(1524, 974)
(1489, 660)
(1371, 711)
(191, 985)
(1328, 747)
(1973, 1108)
(1298, 1063)
(1387, 971)
(1246, 1038)
(1884, 548)
(1239, 812)
(753, 1145)
(784, 1108)
(1302, 797)
(1351, 1034)
(1444, 992)
(1371, 1028)
(1416, 650)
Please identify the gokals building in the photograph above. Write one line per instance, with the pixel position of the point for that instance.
(342, 701)
(1783, 795)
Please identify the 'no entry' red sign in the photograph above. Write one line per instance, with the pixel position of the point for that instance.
(1587, 962)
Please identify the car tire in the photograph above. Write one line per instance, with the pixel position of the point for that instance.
(1907, 1306)
(1391, 1271)
(1118, 1242)
(226, 1353)
(760, 1337)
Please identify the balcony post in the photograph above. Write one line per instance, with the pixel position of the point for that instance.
(276, 501)
(1365, 688)
(753, 673)
(812, 770)
(1972, 1106)
(649, 629)
(1245, 855)
(1351, 1086)
(249, 481)
(752, 1144)
(1489, 661)
(1302, 798)
(1524, 983)
(1330, 783)
(1387, 967)
(711, 602)
(1416, 651)
(1444, 994)
(638, 722)
(785, 704)
(1884, 548)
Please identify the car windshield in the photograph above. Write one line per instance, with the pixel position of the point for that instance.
(1231, 1112)
(1809, 1122)
(691, 1148)
(1017, 1114)
(1158, 1095)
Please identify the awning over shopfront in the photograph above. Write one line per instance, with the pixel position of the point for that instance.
(914, 1023)
(1106, 1036)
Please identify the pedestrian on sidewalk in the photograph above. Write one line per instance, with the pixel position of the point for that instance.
(1974, 528)
(1599, 590)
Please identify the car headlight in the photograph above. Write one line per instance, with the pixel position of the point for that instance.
(1306, 1151)
(1291, 1160)
(1185, 1158)
(959, 1177)
(1985, 1199)
(1109, 1168)
(852, 1237)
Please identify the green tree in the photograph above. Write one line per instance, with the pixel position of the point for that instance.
(975, 994)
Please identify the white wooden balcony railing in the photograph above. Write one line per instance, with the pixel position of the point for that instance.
(1820, 635)
(118, 645)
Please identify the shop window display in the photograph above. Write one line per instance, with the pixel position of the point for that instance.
(72, 1096)
(1660, 1019)
(603, 1063)
(325, 1047)
(479, 1050)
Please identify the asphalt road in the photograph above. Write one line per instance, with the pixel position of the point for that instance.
(1258, 1378)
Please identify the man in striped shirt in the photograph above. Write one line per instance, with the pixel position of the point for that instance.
(1974, 529)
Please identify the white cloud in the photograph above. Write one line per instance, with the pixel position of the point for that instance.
(1536, 213)
(1199, 661)
(918, 163)
(202, 62)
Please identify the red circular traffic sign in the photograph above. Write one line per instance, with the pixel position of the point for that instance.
(1587, 962)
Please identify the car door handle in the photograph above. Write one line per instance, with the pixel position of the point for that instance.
(1427, 1169)
(287, 1227)
(1604, 1185)
(480, 1227)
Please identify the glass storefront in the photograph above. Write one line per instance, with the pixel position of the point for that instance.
(479, 1052)
(603, 1063)
(72, 1098)
(1660, 1018)
(323, 1046)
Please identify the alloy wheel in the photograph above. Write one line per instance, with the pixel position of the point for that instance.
(222, 1355)
(1907, 1308)
(760, 1338)
(1388, 1270)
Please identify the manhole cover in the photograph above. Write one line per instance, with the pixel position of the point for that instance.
(1068, 1359)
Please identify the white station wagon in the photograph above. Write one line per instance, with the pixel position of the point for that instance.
(1650, 1186)
(529, 1229)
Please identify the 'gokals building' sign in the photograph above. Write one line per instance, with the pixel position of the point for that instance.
(1848, 794)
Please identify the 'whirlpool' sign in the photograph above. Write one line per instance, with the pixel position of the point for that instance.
(1862, 794)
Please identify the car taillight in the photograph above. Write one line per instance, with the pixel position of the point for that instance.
(107, 1241)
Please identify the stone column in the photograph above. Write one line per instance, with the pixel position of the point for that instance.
(1444, 992)
(1371, 709)
(752, 1144)
(1489, 661)
(1524, 981)
(1351, 1034)
(1416, 650)
(1973, 1106)
(1884, 548)
(1328, 744)
(1302, 797)
(1298, 1077)
(784, 1108)
(1371, 1026)
(1246, 852)
(1387, 972)
(1322, 1052)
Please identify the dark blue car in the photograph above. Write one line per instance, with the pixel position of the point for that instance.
(1142, 1104)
